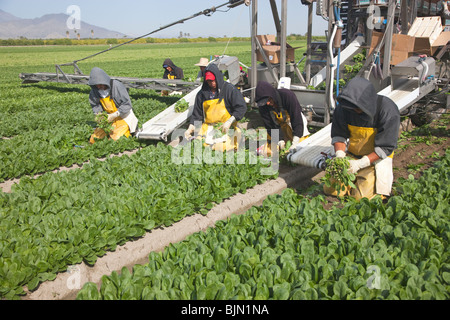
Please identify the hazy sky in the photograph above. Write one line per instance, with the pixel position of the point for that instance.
(139, 17)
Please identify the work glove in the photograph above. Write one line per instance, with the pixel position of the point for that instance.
(227, 124)
(189, 132)
(356, 165)
(294, 144)
(113, 116)
(340, 154)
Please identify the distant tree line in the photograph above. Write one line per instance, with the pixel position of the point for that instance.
(22, 41)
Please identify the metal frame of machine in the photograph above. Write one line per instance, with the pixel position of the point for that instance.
(405, 83)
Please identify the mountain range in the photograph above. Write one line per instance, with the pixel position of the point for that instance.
(49, 26)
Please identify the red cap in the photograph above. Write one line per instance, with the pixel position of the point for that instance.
(209, 76)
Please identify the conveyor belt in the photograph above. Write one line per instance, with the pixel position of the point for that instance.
(159, 127)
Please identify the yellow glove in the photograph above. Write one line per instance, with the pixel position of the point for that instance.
(340, 154)
(294, 144)
(189, 132)
(356, 165)
(113, 116)
(227, 124)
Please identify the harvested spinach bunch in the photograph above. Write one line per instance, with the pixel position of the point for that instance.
(337, 175)
(102, 122)
(181, 106)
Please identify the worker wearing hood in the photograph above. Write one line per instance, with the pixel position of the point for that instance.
(171, 71)
(280, 109)
(111, 96)
(218, 102)
(365, 127)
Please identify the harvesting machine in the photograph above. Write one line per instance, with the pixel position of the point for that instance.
(406, 60)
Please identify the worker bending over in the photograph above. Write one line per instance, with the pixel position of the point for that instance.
(111, 96)
(171, 71)
(280, 109)
(365, 127)
(217, 102)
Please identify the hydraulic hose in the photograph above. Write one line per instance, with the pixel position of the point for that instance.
(330, 53)
(337, 14)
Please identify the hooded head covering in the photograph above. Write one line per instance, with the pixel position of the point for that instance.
(98, 76)
(168, 63)
(359, 93)
(264, 91)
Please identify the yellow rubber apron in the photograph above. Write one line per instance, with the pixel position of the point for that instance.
(284, 121)
(375, 179)
(214, 112)
(120, 127)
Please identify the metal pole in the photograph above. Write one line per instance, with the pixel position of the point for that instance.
(388, 41)
(309, 40)
(276, 18)
(283, 38)
(328, 79)
(254, 71)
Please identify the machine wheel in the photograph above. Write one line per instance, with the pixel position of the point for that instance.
(425, 113)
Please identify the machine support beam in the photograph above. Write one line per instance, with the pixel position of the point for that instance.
(254, 32)
(283, 38)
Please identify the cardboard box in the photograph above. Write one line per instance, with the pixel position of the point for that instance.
(402, 46)
(272, 50)
(426, 31)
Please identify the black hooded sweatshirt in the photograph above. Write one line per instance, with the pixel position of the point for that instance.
(176, 71)
(234, 101)
(380, 113)
(285, 100)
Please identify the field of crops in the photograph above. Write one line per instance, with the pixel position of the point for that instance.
(289, 248)
(292, 248)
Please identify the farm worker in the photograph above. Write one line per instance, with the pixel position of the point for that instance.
(280, 109)
(171, 71)
(365, 127)
(202, 64)
(217, 102)
(111, 96)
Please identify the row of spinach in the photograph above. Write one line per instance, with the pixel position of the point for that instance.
(62, 219)
(42, 132)
(292, 248)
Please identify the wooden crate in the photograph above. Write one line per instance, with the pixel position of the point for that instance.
(426, 27)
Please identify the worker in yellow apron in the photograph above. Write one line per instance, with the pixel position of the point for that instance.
(171, 71)
(111, 96)
(365, 128)
(280, 110)
(220, 104)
